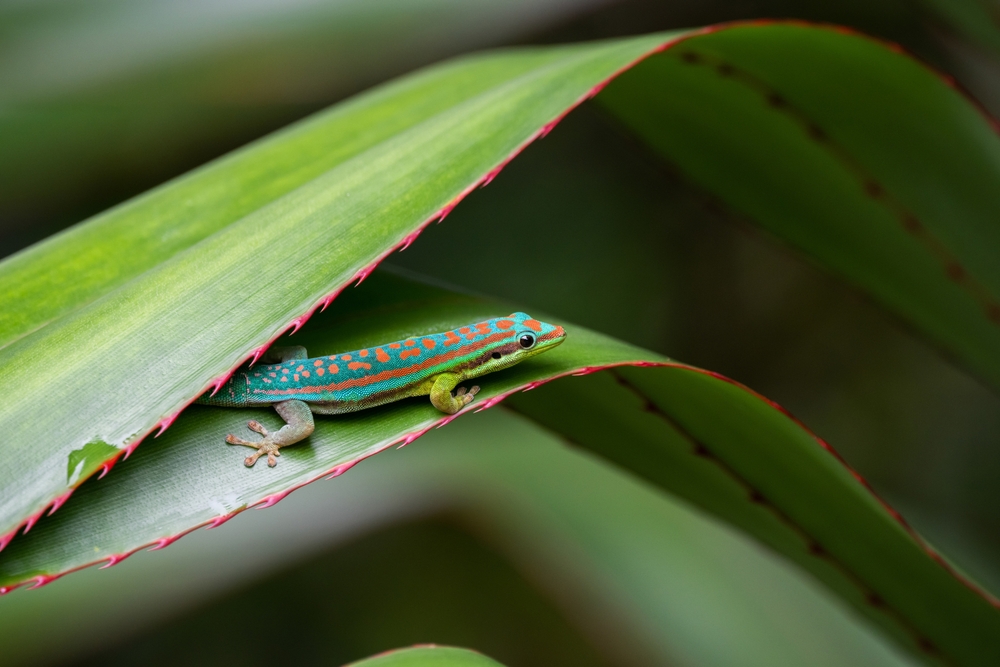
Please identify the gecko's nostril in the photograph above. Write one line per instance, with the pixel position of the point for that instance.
(496, 355)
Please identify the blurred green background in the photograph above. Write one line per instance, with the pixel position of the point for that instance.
(487, 540)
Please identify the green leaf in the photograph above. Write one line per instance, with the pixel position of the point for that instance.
(428, 656)
(868, 162)
(686, 431)
(590, 536)
(117, 324)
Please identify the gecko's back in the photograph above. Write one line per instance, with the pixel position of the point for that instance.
(364, 378)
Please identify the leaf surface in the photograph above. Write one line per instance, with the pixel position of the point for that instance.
(428, 656)
(590, 536)
(686, 431)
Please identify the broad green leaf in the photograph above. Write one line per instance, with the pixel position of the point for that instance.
(686, 431)
(120, 322)
(428, 656)
(868, 162)
(592, 537)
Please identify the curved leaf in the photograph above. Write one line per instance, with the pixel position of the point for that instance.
(876, 168)
(122, 319)
(687, 431)
(428, 656)
(592, 537)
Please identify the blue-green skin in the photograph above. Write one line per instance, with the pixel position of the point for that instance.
(298, 386)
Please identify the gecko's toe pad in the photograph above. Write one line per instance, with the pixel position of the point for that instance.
(266, 447)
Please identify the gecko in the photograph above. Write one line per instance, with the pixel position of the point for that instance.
(299, 386)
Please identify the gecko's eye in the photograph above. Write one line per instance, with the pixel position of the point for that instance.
(526, 341)
(495, 355)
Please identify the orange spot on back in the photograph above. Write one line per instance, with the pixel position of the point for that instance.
(296, 377)
(395, 346)
(305, 374)
(464, 330)
(450, 338)
(483, 327)
(410, 343)
(533, 324)
(334, 368)
(346, 357)
(415, 352)
(381, 355)
(363, 353)
(429, 343)
(355, 365)
(505, 324)
(299, 369)
(274, 375)
(318, 363)
(320, 371)
(284, 378)
(284, 370)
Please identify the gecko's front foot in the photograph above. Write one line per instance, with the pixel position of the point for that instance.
(466, 396)
(266, 446)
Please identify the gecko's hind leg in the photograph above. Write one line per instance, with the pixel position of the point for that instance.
(441, 396)
(299, 426)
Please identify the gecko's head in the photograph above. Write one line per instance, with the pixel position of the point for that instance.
(534, 336)
(526, 338)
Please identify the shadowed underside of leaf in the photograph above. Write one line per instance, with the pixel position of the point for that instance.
(687, 431)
